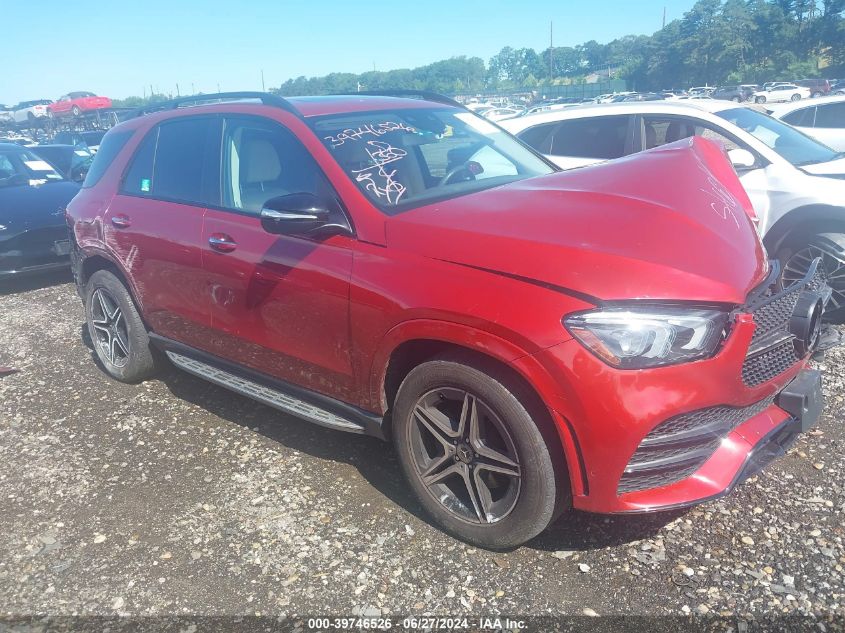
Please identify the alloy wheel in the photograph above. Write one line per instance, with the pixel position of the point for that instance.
(109, 328)
(465, 455)
(832, 268)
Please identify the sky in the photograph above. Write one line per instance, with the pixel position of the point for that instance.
(120, 49)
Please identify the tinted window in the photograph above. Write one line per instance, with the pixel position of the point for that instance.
(139, 178)
(599, 137)
(262, 160)
(831, 115)
(110, 147)
(179, 158)
(539, 137)
(801, 118)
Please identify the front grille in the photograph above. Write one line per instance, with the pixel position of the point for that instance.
(676, 448)
(772, 351)
(772, 363)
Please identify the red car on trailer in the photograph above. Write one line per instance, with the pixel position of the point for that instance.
(78, 103)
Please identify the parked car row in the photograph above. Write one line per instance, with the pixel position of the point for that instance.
(405, 269)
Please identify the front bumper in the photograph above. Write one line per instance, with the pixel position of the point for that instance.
(674, 436)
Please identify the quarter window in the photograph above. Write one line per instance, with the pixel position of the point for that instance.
(139, 179)
(110, 147)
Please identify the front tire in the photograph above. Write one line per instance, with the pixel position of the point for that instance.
(797, 254)
(795, 98)
(472, 453)
(117, 332)
(760, 100)
(76, 111)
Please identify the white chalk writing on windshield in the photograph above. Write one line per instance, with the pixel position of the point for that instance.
(370, 129)
(378, 180)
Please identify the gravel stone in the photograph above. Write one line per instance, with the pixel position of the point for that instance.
(209, 503)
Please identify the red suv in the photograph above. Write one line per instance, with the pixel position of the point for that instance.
(610, 339)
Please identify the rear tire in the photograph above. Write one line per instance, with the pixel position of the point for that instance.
(760, 100)
(76, 111)
(448, 465)
(795, 98)
(117, 332)
(797, 253)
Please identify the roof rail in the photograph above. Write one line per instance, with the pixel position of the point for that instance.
(265, 97)
(420, 94)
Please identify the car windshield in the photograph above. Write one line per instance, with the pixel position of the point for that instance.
(796, 147)
(404, 158)
(25, 168)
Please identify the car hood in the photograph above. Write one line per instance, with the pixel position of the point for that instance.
(667, 224)
(25, 208)
(830, 168)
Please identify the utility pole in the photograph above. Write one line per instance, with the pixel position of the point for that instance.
(218, 86)
(152, 92)
(262, 81)
(664, 17)
(551, 51)
(193, 92)
(177, 90)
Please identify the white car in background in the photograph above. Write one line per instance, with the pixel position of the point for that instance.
(780, 93)
(31, 111)
(796, 184)
(822, 118)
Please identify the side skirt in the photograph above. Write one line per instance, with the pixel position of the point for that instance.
(298, 401)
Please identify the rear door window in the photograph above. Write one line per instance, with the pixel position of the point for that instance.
(597, 137)
(805, 117)
(179, 159)
(539, 137)
(176, 161)
(831, 115)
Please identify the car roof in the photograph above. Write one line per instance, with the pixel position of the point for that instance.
(632, 107)
(785, 108)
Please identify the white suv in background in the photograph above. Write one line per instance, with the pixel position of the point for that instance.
(822, 118)
(31, 111)
(780, 93)
(796, 184)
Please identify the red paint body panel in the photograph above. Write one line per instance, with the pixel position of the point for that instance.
(494, 272)
(280, 305)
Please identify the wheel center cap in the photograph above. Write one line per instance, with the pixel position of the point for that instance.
(464, 453)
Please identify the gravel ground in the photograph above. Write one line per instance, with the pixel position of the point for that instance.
(178, 497)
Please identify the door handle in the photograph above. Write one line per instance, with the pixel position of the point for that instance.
(121, 221)
(222, 243)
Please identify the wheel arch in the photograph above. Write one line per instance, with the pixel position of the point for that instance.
(810, 219)
(94, 260)
(427, 340)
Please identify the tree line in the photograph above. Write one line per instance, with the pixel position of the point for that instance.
(715, 42)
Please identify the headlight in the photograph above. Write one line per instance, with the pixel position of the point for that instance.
(635, 338)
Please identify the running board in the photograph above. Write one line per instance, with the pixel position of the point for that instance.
(275, 398)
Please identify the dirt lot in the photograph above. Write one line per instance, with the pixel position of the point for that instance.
(178, 497)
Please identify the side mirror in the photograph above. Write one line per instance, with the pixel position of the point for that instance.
(300, 214)
(742, 158)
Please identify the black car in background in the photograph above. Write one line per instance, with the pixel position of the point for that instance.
(70, 161)
(33, 197)
(90, 139)
(739, 93)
